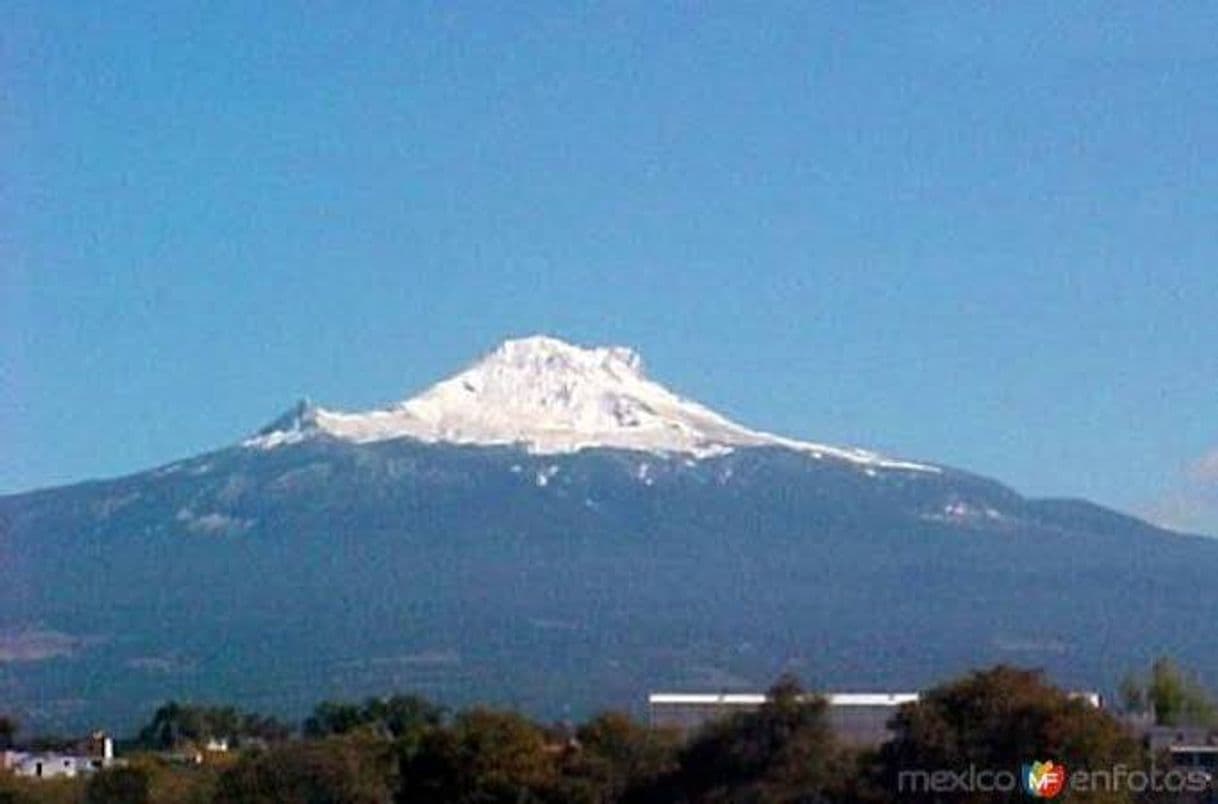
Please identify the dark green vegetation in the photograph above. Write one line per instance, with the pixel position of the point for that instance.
(174, 724)
(1001, 719)
(273, 579)
(404, 749)
(397, 717)
(1169, 695)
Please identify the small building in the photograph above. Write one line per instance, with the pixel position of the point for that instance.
(1168, 738)
(1204, 757)
(92, 754)
(50, 765)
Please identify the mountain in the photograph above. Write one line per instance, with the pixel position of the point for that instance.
(553, 530)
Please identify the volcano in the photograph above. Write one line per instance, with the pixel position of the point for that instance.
(553, 530)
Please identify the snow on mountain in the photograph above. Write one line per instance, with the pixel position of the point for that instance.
(551, 397)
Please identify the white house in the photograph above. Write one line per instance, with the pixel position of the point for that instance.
(50, 765)
(98, 754)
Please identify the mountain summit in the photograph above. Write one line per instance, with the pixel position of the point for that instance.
(551, 397)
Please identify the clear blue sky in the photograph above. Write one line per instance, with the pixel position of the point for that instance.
(982, 235)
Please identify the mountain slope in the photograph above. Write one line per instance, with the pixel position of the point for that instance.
(561, 574)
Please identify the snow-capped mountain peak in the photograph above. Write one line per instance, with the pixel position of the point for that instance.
(551, 397)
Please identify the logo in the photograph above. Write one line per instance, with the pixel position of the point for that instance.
(1044, 779)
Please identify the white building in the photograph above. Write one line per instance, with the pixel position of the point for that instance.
(50, 765)
(216, 745)
(858, 718)
(98, 754)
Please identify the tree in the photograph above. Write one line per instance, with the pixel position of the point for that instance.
(332, 718)
(783, 752)
(174, 724)
(1170, 695)
(324, 771)
(118, 786)
(1133, 694)
(405, 716)
(399, 717)
(1178, 700)
(613, 758)
(998, 720)
(486, 756)
(170, 781)
(8, 729)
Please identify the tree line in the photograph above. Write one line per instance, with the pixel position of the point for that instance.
(408, 749)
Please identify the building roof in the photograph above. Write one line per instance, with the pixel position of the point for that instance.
(756, 699)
